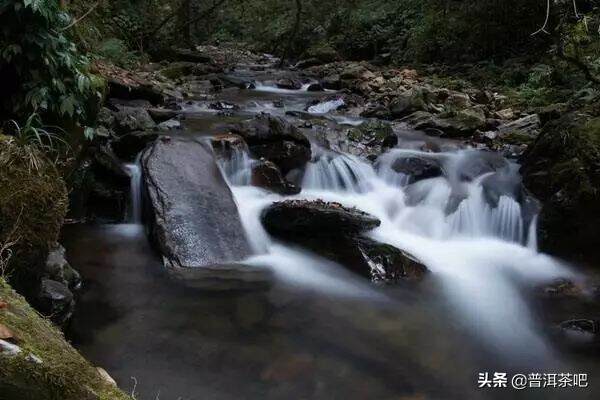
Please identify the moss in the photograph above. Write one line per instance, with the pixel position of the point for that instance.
(63, 373)
(33, 204)
(562, 169)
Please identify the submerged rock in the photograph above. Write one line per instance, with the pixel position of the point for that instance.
(195, 223)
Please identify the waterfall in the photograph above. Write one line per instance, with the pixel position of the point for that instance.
(134, 170)
(236, 165)
(475, 241)
(338, 172)
(326, 106)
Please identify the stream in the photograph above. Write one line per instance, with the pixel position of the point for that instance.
(321, 332)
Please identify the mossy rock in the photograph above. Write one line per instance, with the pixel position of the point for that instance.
(47, 367)
(33, 205)
(562, 169)
(322, 52)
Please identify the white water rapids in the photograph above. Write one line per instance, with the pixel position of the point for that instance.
(483, 252)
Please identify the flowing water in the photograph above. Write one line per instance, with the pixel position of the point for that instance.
(321, 332)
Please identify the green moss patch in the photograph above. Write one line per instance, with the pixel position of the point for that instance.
(62, 374)
(33, 204)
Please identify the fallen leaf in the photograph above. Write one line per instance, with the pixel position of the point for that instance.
(3, 305)
(5, 333)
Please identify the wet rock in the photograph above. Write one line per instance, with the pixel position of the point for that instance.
(462, 123)
(169, 125)
(106, 118)
(58, 268)
(267, 175)
(525, 129)
(334, 232)
(315, 87)
(276, 140)
(332, 82)
(288, 83)
(388, 264)
(128, 146)
(195, 222)
(308, 62)
(178, 69)
(408, 103)
(561, 169)
(581, 332)
(374, 135)
(129, 119)
(223, 105)
(55, 300)
(417, 168)
(232, 81)
(188, 55)
(226, 145)
(162, 114)
(291, 218)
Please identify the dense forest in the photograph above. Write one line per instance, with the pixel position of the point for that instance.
(383, 136)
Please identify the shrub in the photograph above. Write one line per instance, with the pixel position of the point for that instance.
(40, 68)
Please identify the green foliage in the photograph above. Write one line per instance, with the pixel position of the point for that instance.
(40, 69)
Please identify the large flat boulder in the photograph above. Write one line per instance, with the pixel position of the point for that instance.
(195, 222)
(336, 232)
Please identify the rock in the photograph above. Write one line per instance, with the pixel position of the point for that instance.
(162, 114)
(334, 232)
(106, 377)
(332, 82)
(276, 140)
(417, 168)
(315, 87)
(58, 268)
(226, 145)
(526, 128)
(292, 218)
(506, 113)
(195, 223)
(188, 55)
(307, 63)
(353, 71)
(407, 103)
(129, 119)
(169, 125)
(55, 300)
(106, 118)
(462, 123)
(266, 175)
(223, 105)
(388, 264)
(128, 146)
(581, 332)
(178, 69)
(374, 135)
(288, 83)
(230, 81)
(561, 169)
